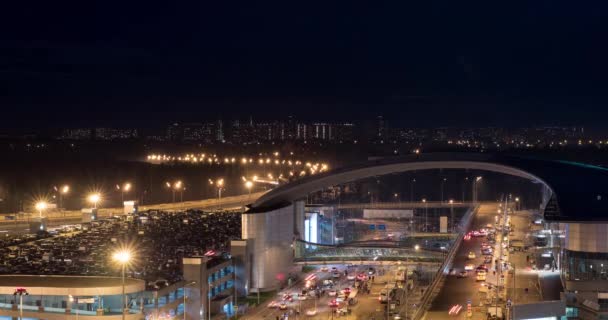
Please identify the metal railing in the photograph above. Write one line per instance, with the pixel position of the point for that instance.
(428, 294)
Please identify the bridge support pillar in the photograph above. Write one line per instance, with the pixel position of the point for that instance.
(271, 234)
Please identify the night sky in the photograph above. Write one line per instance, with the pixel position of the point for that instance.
(419, 63)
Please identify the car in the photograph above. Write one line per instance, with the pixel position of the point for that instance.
(334, 269)
(333, 303)
(273, 304)
(482, 267)
(346, 290)
(383, 297)
(311, 312)
(469, 267)
(324, 269)
(487, 259)
(332, 293)
(371, 271)
(362, 277)
(336, 274)
(471, 255)
(283, 306)
(463, 274)
(452, 272)
(351, 277)
(455, 310)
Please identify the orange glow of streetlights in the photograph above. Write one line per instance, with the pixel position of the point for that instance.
(94, 199)
(41, 206)
(248, 185)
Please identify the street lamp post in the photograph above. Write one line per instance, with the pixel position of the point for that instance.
(125, 188)
(412, 189)
(220, 186)
(219, 183)
(62, 191)
(248, 185)
(426, 215)
(176, 186)
(94, 199)
(442, 183)
(474, 196)
(123, 257)
(21, 292)
(40, 206)
(452, 215)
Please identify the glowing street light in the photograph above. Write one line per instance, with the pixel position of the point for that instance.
(94, 199)
(125, 188)
(41, 206)
(63, 190)
(123, 257)
(248, 185)
(417, 247)
(477, 179)
(176, 186)
(220, 185)
(452, 214)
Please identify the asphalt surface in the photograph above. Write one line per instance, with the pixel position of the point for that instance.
(458, 290)
(367, 307)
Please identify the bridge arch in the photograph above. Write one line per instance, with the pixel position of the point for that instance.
(578, 192)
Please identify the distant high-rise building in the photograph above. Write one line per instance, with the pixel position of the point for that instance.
(77, 134)
(220, 131)
(110, 134)
(381, 128)
(175, 132)
(344, 132)
(302, 131)
(322, 131)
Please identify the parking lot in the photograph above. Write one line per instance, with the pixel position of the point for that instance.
(158, 240)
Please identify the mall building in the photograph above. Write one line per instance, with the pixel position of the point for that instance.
(208, 285)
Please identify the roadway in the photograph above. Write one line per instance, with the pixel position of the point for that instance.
(367, 307)
(457, 290)
(55, 218)
(522, 289)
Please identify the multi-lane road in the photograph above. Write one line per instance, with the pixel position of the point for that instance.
(367, 304)
(74, 216)
(458, 291)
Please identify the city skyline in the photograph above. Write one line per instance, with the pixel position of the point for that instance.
(419, 64)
